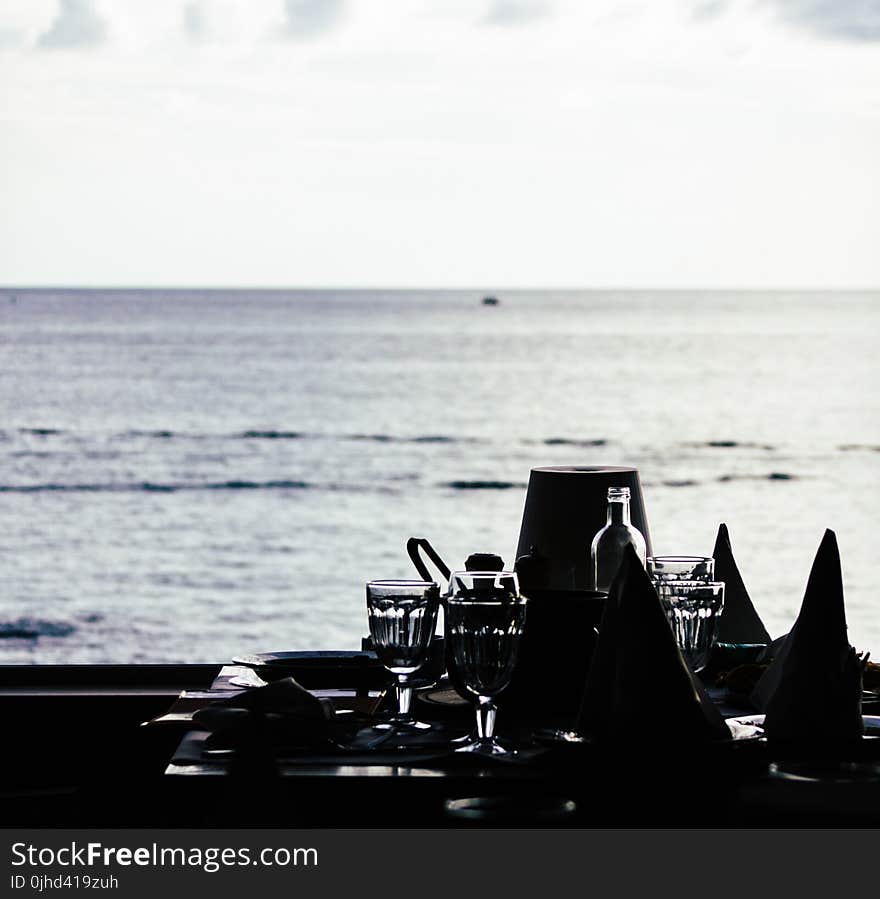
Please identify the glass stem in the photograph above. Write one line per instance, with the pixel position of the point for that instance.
(485, 719)
(404, 697)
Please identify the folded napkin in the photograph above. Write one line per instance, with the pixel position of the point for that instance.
(740, 623)
(283, 713)
(639, 686)
(813, 688)
(261, 731)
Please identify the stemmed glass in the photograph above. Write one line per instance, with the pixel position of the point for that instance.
(485, 617)
(403, 615)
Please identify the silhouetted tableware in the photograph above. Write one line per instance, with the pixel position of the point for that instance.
(503, 810)
(297, 659)
(871, 725)
(485, 617)
(830, 771)
(402, 616)
(693, 609)
(554, 655)
(444, 702)
(564, 509)
(681, 568)
(742, 729)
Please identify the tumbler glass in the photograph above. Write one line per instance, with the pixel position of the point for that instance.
(681, 568)
(693, 609)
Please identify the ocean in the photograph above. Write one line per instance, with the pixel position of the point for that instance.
(187, 475)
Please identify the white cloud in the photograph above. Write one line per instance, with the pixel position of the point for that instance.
(850, 20)
(607, 143)
(517, 12)
(704, 10)
(854, 20)
(310, 18)
(76, 24)
(11, 38)
(195, 20)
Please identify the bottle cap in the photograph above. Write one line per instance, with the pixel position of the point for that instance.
(484, 562)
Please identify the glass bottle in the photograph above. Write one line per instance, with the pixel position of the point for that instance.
(606, 551)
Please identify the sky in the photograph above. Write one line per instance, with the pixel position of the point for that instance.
(440, 143)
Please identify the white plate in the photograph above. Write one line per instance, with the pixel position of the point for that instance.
(871, 722)
(294, 659)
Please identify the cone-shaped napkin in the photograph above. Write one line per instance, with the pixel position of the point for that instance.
(740, 623)
(596, 712)
(813, 688)
(639, 685)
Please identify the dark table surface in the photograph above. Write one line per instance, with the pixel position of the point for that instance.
(750, 783)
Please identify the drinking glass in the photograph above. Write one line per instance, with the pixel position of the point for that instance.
(403, 615)
(681, 568)
(693, 609)
(485, 617)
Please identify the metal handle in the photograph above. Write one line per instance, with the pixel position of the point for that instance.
(413, 547)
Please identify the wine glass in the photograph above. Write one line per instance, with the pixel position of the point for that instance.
(403, 615)
(485, 617)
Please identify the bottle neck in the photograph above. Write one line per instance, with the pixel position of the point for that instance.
(618, 512)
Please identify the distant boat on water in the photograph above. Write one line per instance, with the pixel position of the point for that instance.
(490, 301)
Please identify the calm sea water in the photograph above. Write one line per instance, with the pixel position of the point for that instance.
(187, 475)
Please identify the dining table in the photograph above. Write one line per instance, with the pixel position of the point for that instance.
(652, 781)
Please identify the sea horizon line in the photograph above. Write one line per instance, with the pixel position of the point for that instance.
(491, 290)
